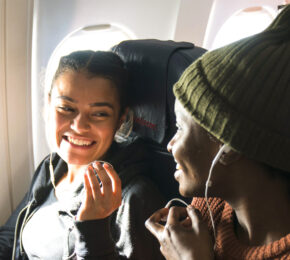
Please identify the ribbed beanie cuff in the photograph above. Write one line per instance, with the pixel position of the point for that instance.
(240, 93)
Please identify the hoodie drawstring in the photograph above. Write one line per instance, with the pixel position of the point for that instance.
(66, 255)
(27, 208)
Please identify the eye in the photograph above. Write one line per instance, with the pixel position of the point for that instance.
(65, 109)
(100, 114)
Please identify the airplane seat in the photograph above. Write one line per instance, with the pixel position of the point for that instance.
(154, 66)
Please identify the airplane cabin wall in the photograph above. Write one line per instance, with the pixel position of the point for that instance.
(16, 161)
(192, 21)
(4, 146)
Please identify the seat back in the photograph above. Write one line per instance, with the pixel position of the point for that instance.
(154, 66)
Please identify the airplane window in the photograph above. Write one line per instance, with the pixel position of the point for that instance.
(93, 37)
(244, 23)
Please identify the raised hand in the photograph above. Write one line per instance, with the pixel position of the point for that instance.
(183, 236)
(101, 199)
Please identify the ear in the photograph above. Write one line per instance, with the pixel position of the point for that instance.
(229, 157)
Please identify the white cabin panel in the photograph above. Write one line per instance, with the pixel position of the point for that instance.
(15, 135)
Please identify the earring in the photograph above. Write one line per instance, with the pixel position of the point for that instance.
(126, 128)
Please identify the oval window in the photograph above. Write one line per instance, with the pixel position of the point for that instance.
(244, 23)
(93, 37)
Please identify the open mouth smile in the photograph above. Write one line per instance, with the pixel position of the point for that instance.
(178, 167)
(79, 142)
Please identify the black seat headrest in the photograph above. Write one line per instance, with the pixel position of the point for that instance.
(154, 66)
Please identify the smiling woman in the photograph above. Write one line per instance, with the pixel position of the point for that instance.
(74, 200)
(84, 116)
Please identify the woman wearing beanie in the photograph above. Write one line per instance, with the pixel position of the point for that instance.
(232, 150)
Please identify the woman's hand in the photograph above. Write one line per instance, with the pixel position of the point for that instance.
(183, 236)
(100, 200)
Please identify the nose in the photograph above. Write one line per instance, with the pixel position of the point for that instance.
(80, 123)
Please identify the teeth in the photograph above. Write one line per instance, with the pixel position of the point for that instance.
(79, 142)
(178, 167)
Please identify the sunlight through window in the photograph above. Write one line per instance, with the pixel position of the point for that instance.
(244, 23)
(95, 37)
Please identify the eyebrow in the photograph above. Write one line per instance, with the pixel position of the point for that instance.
(96, 104)
(101, 104)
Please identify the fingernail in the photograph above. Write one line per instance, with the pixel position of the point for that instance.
(108, 165)
(98, 165)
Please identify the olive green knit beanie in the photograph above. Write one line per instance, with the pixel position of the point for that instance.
(240, 93)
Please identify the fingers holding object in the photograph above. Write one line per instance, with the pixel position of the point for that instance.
(111, 188)
(195, 217)
(115, 179)
(176, 215)
(106, 182)
(153, 223)
(92, 184)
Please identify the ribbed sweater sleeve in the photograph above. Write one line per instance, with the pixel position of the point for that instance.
(228, 247)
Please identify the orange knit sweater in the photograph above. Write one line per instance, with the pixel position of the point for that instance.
(228, 246)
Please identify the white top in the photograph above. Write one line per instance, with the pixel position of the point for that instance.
(45, 236)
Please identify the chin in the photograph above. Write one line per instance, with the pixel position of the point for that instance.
(185, 192)
(75, 160)
(191, 191)
(80, 163)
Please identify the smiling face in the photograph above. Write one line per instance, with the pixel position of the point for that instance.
(193, 151)
(83, 116)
